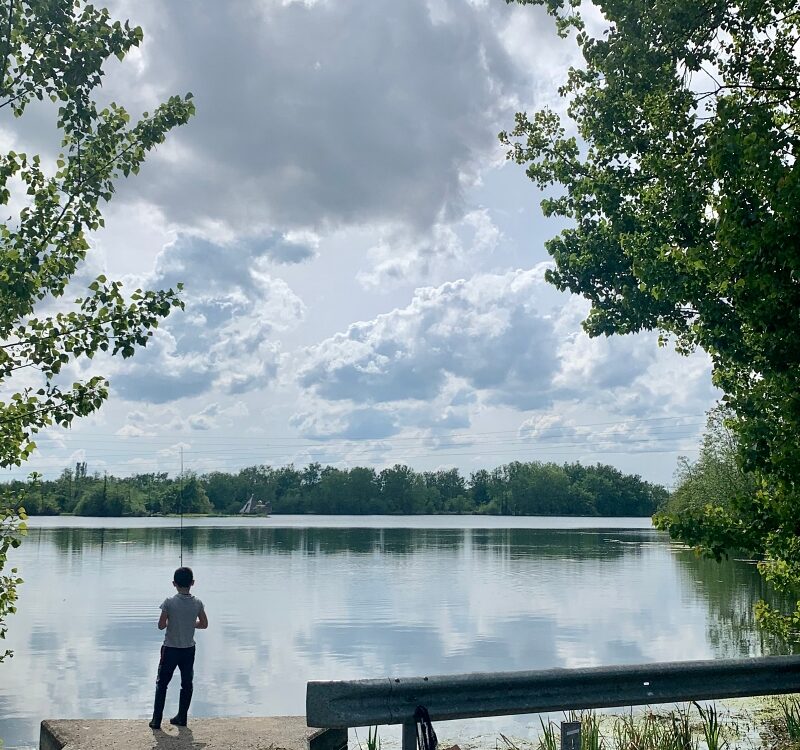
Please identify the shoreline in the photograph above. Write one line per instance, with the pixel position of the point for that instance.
(432, 521)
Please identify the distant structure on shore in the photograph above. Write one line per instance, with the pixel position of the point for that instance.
(255, 507)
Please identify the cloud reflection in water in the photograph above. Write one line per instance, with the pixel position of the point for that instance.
(291, 604)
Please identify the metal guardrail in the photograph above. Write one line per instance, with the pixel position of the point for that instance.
(357, 703)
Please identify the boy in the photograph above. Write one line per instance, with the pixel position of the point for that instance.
(180, 615)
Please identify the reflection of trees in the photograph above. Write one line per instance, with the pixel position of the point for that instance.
(731, 590)
(514, 544)
(607, 544)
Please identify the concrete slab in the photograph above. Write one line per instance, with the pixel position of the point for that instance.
(263, 733)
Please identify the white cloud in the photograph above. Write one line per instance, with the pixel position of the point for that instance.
(526, 34)
(400, 257)
(320, 419)
(563, 427)
(225, 338)
(469, 329)
(358, 423)
(204, 419)
(505, 340)
(130, 430)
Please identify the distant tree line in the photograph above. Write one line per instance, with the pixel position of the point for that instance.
(516, 489)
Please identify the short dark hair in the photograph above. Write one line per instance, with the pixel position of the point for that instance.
(183, 577)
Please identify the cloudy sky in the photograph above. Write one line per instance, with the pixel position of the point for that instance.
(363, 270)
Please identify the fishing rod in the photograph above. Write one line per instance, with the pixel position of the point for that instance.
(180, 504)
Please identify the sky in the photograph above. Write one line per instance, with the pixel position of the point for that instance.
(363, 269)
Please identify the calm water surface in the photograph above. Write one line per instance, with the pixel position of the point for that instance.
(291, 599)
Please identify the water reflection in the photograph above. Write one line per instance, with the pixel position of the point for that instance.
(515, 543)
(291, 604)
(730, 592)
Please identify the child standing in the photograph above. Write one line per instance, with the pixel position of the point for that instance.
(180, 615)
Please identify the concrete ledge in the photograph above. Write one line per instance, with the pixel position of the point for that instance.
(263, 733)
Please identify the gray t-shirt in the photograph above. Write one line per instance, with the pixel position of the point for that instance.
(182, 612)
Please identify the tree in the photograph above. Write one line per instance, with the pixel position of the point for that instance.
(329, 494)
(287, 490)
(194, 498)
(363, 490)
(225, 493)
(681, 181)
(111, 497)
(479, 482)
(55, 50)
(12, 528)
(449, 489)
(402, 491)
(715, 478)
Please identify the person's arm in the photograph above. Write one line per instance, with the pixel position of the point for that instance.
(162, 621)
(202, 620)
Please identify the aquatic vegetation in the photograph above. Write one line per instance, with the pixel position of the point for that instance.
(712, 729)
(680, 730)
(373, 740)
(548, 739)
(791, 715)
(591, 739)
(667, 730)
(645, 733)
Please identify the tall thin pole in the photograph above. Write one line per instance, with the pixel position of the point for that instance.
(180, 504)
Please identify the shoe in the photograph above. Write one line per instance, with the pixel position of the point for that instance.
(158, 708)
(185, 700)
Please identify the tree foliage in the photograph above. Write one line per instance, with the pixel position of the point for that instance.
(715, 478)
(678, 170)
(517, 488)
(54, 52)
(12, 528)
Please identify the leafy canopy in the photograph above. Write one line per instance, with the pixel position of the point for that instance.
(55, 50)
(715, 477)
(677, 166)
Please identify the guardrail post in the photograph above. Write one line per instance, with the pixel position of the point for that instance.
(570, 735)
(409, 735)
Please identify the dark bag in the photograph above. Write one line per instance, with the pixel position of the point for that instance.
(426, 736)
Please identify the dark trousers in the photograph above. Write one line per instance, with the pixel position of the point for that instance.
(183, 659)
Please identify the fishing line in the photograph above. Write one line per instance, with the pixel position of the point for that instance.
(180, 504)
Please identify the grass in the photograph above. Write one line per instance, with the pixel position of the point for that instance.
(776, 725)
(591, 738)
(373, 739)
(692, 727)
(548, 739)
(681, 730)
(646, 733)
(790, 708)
(712, 729)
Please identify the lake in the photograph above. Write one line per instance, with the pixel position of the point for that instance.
(294, 598)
